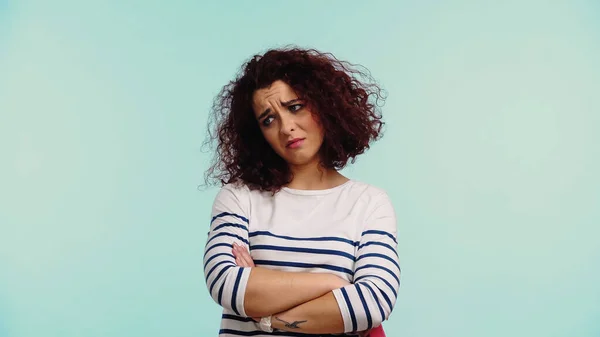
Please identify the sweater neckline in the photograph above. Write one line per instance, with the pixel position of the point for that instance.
(316, 192)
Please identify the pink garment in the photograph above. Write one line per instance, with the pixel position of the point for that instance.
(377, 332)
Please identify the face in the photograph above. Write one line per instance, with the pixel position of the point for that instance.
(287, 124)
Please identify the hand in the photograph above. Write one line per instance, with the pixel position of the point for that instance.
(242, 256)
(243, 259)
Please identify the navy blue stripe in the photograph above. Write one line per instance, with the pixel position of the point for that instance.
(220, 297)
(366, 307)
(230, 224)
(380, 256)
(304, 250)
(385, 296)
(231, 235)
(378, 244)
(302, 265)
(237, 318)
(324, 238)
(380, 233)
(212, 285)
(378, 267)
(217, 255)
(217, 245)
(235, 290)
(220, 215)
(215, 266)
(241, 333)
(352, 315)
(378, 277)
(375, 298)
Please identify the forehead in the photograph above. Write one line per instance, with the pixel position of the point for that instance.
(277, 92)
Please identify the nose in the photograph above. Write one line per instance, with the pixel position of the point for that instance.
(288, 124)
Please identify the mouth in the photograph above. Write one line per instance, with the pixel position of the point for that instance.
(295, 143)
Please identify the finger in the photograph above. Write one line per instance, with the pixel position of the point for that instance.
(236, 250)
(245, 255)
(240, 263)
(245, 258)
(238, 254)
(245, 264)
(251, 260)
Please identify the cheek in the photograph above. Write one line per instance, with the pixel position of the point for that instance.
(271, 137)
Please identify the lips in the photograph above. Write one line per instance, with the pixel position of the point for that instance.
(294, 143)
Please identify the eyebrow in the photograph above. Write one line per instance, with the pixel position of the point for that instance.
(286, 104)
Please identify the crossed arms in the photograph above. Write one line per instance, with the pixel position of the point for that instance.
(302, 302)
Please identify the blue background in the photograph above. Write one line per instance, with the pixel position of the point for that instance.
(490, 156)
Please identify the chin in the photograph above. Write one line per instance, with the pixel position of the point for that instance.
(299, 157)
(300, 161)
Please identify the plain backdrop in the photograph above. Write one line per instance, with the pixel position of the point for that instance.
(491, 157)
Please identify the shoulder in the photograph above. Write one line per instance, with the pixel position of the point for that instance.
(370, 193)
(235, 188)
(376, 199)
(233, 196)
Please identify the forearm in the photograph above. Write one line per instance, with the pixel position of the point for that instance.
(271, 291)
(319, 316)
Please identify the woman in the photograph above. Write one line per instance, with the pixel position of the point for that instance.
(322, 248)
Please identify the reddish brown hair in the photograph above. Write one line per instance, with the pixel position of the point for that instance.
(345, 98)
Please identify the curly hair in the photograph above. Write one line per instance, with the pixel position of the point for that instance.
(345, 98)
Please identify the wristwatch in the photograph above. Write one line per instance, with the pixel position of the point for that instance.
(265, 324)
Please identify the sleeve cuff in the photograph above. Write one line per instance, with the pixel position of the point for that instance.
(241, 291)
(342, 305)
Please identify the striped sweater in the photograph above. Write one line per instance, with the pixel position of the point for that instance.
(348, 230)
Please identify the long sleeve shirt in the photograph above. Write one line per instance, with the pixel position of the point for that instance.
(349, 230)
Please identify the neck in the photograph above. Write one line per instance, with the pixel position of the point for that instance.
(314, 177)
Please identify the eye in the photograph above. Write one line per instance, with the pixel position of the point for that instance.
(267, 121)
(295, 107)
